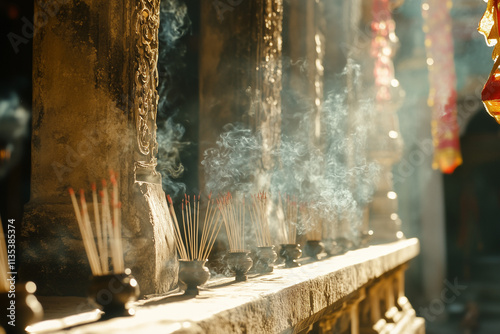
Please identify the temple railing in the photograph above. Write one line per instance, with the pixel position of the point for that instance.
(361, 291)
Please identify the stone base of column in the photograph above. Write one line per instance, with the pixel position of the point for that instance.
(52, 253)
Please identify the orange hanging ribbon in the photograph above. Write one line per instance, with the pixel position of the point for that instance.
(488, 26)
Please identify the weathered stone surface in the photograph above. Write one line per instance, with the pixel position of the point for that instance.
(264, 304)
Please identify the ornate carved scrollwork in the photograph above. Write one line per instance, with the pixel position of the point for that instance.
(146, 79)
(268, 82)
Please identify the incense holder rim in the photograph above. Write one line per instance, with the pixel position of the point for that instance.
(290, 245)
(239, 252)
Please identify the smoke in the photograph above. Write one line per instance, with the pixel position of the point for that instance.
(234, 163)
(335, 178)
(174, 24)
(350, 175)
(14, 121)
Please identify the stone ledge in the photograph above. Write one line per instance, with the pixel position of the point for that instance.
(270, 303)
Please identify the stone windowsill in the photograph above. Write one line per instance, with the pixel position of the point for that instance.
(264, 304)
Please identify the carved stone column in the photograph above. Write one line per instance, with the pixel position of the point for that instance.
(95, 101)
(240, 72)
(385, 143)
(303, 50)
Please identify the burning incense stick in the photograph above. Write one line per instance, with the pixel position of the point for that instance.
(311, 222)
(117, 224)
(107, 228)
(97, 220)
(4, 266)
(287, 219)
(233, 215)
(190, 245)
(258, 214)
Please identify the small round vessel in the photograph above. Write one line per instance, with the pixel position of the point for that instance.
(114, 293)
(239, 263)
(313, 248)
(266, 256)
(193, 274)
(291, 252)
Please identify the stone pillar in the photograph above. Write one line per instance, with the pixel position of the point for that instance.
(95, 100)
(385, 144)
(240, 72)
(303, 51)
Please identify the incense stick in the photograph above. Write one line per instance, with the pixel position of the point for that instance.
(190, 246)
(107, 228)
(311, 222)
(287, 219)
(97, 220)
(233, 215)
(258, 214)
(117, 240)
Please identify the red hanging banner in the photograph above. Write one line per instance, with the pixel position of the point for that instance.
(442, 82)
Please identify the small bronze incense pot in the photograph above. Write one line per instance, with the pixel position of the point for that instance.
(193, 274)
(266, 256)
(331, 247)
(114, 293)
(291, 252)
(239, 263)
(313, 248)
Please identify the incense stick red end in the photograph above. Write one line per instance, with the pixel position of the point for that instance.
(71, 191)
(94, 186)
(169, 199)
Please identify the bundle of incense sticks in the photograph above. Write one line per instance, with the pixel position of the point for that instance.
(258, 214)
(288, 219)
(4, 265)
(190, 245)
(107, 243)
(311, 222)
(233, 215)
